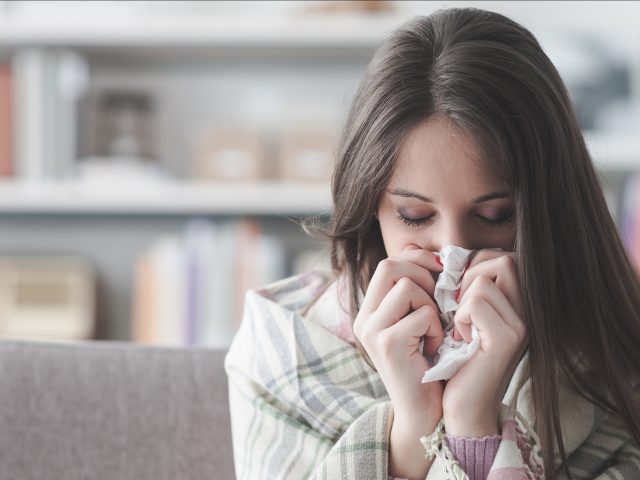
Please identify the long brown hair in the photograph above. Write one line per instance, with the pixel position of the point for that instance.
(489, 75)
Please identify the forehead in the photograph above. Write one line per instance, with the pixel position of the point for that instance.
(436, 149)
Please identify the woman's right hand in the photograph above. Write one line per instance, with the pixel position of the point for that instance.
(397, 311)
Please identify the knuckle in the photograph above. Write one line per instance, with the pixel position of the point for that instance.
(479, 257)
(359, 330)
(475, 302)
(423, 313)
(429, 312)
(521, 332)
(508, 261)
(483, 279)
(426, 309)
(386, 266)
(431, 319)
(405, 284)
(385, 342)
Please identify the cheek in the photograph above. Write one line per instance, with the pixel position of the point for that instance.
(395, 235)
(508, 240)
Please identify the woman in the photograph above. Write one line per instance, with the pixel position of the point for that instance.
(461, 134)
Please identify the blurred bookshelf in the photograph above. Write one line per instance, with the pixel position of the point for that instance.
(147, 137)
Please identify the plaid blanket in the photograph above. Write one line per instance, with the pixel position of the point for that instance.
(305, 404)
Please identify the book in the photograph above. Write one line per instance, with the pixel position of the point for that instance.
(6, 121)
(168, 258)
(158, 300)
(201, 238)
(248, 243)
(70, 73)
(144, 302)
(47, 87)
(30, 67)
(217, 322)
(630, 218)
(261, 259)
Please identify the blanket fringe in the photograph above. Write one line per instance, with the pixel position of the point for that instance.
(435, 445)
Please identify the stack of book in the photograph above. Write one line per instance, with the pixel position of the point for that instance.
(190, 290)
(40, 90)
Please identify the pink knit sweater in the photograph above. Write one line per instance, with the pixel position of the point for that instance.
(475, 455)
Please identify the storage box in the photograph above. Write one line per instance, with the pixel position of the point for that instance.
(48, 297)
(231, 154)
(307, 155)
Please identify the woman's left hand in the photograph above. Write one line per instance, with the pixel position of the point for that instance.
(490, 299)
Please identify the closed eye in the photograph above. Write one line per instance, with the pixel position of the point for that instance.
(490, 222)
(496, 222)
(414, 222)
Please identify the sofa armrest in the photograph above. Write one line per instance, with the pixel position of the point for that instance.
(113, 410)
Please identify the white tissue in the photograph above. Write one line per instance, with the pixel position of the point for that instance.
(452, 354)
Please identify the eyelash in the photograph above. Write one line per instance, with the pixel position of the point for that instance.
(416, 222)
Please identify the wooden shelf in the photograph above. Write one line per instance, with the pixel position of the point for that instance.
(293, 31)
(164, 198)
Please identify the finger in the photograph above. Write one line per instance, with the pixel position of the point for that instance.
(426, 259)
(488, 290)
(479, 256)
(501, 269)
(413, 264)
(480, 313)
(405, 297)
(494, 333)
(430, 256)
(424, 322)
(456, 334)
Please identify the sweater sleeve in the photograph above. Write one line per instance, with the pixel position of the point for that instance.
(475, 455)
(516, 454)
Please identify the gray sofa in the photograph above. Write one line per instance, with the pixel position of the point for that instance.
(112, 410)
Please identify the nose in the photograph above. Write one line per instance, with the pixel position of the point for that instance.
(445, 233)
(450, 232)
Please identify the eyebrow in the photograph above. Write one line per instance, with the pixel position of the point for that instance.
(483, 198)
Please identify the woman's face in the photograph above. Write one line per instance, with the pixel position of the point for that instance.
(441, 194)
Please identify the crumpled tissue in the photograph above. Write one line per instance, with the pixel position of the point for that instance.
(452, 354)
